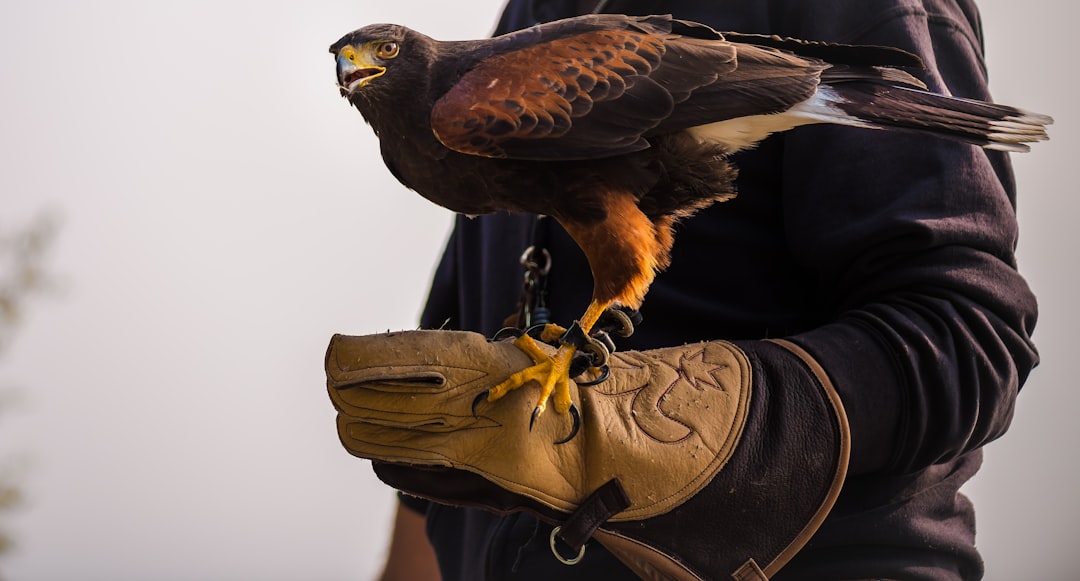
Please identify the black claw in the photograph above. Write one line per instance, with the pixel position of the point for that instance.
(504, 333)
(576, 417)
(536, 331)
(476, 401)
(605, 372)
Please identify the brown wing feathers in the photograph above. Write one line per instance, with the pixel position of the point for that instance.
(510, 100)
(600, 93)
(760, 80)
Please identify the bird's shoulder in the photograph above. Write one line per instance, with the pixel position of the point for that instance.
(556, 91)
(465, 55)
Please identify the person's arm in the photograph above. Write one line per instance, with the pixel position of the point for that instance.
(911, 243)
(410, 557)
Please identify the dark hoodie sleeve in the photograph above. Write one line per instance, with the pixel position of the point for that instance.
(912, 244)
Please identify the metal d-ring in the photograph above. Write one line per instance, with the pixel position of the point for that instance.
(529, 261)
(562, 559)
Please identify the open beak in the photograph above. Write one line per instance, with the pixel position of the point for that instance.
(355, 71)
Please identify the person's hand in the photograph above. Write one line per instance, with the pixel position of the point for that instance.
(692, 436)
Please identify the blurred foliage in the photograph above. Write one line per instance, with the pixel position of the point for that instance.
(21, 274)
(22, 254)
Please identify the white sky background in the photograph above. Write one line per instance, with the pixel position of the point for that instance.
(223, 212)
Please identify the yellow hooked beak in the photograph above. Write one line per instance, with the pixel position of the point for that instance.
(356, 69)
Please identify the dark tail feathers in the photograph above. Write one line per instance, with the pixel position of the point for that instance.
(984, 124)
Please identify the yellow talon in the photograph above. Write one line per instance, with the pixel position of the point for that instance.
(551, 372)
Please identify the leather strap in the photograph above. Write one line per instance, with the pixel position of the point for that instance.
(604, 503)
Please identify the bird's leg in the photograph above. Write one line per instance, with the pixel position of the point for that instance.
(625, 250)
(551, 372)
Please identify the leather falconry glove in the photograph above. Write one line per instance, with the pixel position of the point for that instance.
(706, 461)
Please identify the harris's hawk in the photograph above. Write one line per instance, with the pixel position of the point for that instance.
(617, 126)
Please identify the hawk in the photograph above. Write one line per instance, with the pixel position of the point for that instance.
(618, 126)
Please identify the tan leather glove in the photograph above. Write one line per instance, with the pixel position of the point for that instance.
(692, 462)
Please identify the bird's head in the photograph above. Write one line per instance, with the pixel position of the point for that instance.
(379, 57)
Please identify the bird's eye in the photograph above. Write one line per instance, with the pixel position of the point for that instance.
(387, 50)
